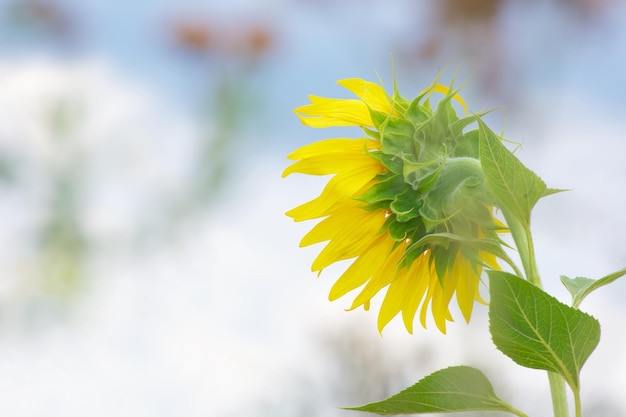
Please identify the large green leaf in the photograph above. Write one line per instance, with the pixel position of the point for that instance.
(458, 388)
(515, 186)
(581, 287)
(536, 330)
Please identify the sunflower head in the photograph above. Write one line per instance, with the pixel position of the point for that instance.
(407, 201)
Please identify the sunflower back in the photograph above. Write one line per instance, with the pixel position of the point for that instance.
(408, 202)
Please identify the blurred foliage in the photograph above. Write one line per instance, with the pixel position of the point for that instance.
(219, 61)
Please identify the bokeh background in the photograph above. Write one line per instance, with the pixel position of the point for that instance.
(146, 265)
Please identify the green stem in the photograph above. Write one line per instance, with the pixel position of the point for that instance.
(520, 237)
(577, 406)
(532, 273)
(559, 398)
(515, 411)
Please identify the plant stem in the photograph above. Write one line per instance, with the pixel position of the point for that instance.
(559, 398)
(577, 406)
(532, 274)
(515, 411)
(520, 237)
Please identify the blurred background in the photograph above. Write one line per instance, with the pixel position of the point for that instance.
(146, 265)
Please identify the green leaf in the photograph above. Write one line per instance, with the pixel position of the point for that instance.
(454, 389)
(581, 287)
(551, 191)
(515, 186)
(536, 330)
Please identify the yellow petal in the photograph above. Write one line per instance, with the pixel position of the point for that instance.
(326, 146)
(435, 297)
(372, 94)
(467, 285)
(331, 163)
(398, 296)
(344, 220)
(329, 112)
(382, 276)
(352, 244)
(342, 186)
(361, 269)
(440, 301)
(421, 271)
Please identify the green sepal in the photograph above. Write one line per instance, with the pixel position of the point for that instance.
(400, 231)
(581, 287)
(391, 162)
(430, 216)
(536, 330)
(444, 261)
(443, 240)
(441, 129)
(453, 389)
(459, 187)
(445, 111)
(417, 113)
(421, 176)
(397, 139)
(467, 145)
(395, 128)
(427, 183)
(378, 205)
(386, 189)
(473, 214)
(458, 173)
(459, 125)
(398, 101)
(378, 118)
(374, 134)
(406, 205)
(430, 147)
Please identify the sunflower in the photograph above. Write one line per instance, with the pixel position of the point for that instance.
(406, 202)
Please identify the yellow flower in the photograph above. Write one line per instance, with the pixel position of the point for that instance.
(407, 204)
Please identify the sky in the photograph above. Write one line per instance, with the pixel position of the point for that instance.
(147, 265)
